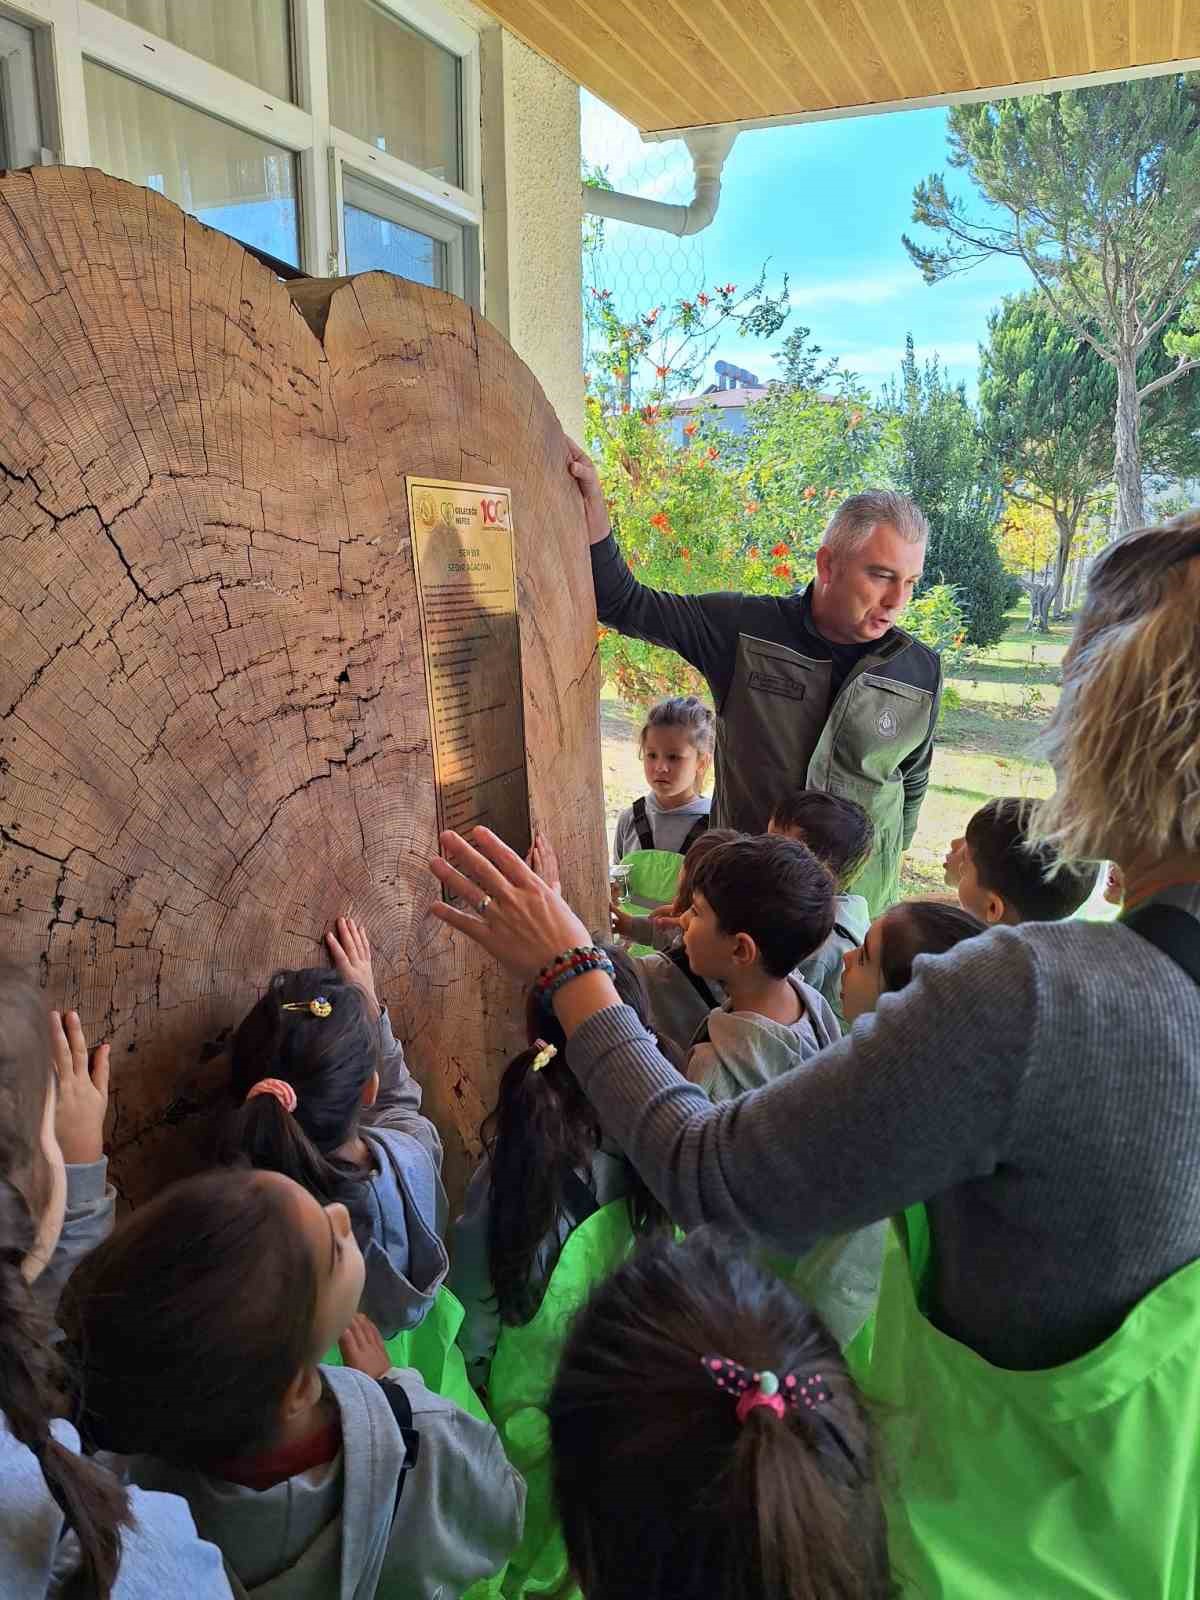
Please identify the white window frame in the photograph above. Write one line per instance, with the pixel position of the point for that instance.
(74, 30)
(367, 195)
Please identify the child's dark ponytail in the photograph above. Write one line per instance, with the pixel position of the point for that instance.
(32, 1384)
(93, 1503)
(542, 1129)
(787, 1480)
(327, 1060)
(782, 1504)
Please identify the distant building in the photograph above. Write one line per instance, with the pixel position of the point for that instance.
(724, 401)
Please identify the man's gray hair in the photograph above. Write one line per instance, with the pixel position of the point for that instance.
(856, 519)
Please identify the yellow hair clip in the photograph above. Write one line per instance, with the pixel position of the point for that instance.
(546, 1054)
(319, 1007)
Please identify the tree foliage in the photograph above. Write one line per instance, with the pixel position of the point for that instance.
(1097, 191)
(720, 511)
(945, 465)
(1047, 402)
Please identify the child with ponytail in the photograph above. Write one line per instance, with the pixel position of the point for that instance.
(707, 1440)
(552, 1209)
(546, 1169)
(323, 1095)
(67, 1526)
(198, 1328)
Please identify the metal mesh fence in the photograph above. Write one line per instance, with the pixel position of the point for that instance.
(640, 267)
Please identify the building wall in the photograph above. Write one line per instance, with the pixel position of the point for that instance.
(532, 263)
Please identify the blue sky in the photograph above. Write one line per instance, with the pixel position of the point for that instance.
(826, 202)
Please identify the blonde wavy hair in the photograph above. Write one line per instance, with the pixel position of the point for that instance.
(1124, 740)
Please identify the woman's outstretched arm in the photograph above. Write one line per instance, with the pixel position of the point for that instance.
(918, 1098)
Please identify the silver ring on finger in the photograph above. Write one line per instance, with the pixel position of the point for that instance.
(484, 904)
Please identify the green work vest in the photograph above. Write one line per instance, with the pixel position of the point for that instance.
(522, 1375)
(777, 730)
(1078, 1480)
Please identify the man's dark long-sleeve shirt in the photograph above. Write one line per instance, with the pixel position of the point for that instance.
(792, 707)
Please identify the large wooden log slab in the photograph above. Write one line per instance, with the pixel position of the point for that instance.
(215, 730)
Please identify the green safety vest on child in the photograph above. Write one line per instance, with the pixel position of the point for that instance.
(1081, 1480)
(653, 874)
(522, 1375)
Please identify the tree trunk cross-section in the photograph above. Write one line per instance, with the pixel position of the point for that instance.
(215, 729)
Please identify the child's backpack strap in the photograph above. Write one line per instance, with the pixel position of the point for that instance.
(1173, 931)
(641, 824)
(699, 827)
(578, 1200)
(401, 1406)
(678, 959)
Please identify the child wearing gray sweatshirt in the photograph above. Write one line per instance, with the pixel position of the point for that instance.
(759, 907)
(322, 1094)
(198, 1327)
(60, 1513)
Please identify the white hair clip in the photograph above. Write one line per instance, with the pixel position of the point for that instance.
(546, 1054)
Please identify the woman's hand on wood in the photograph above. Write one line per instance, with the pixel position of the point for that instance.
(513, 915)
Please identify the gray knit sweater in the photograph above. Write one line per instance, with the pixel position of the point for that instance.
(1038, 1086)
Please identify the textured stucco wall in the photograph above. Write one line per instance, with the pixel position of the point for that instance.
(532, 262)
(531, 230)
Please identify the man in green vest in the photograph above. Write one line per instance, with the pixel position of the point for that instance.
(819, 688)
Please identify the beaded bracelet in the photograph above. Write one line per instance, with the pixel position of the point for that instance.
(560, 971)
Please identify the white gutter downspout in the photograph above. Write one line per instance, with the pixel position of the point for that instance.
(708, 148)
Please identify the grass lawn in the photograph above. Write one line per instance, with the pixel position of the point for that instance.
(984, 746)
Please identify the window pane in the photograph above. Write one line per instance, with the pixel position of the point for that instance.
(375, 243)
(394, 88)
(227, 178)
(250, 38)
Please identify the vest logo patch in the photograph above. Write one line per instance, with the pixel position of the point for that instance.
(886, 725)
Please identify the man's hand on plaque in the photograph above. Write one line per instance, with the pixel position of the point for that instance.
(587, 480)
(514, 915)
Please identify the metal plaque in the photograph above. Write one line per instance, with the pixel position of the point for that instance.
(462, 540)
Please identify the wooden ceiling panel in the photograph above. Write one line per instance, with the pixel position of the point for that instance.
(673, 64)
(1066, 39)
(632, 34)
(758, 53)
(1110, 32)
(932, 23)
(778, 51)
(842, 21)
(1152, 25)
(984, 41)
(1025, 40)
(903, 45)
(693, 50)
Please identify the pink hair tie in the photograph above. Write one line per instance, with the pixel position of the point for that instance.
(283, 1092)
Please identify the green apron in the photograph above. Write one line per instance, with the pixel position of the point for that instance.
(653, 880)
(522, 1374)
(1078, 1480)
